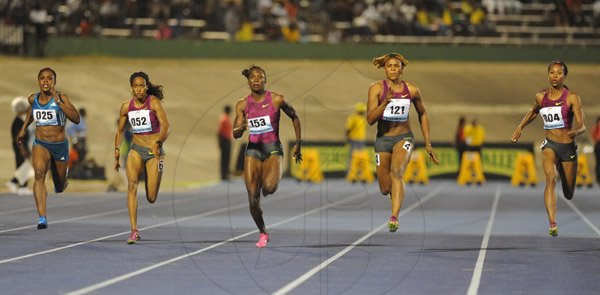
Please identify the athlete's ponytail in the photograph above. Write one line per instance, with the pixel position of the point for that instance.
(154, 90)
(246, 72)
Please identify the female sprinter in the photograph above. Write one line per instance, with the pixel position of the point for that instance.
(558, 106)
(259, 113)
(388, 106)
(150, 127)
(49, 109)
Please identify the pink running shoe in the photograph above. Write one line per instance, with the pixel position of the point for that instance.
(262, 241)
(133, 237)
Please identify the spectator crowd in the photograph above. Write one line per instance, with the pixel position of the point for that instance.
(289, 20)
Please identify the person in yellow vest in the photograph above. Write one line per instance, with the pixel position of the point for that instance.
(356, 130)
(474, 136)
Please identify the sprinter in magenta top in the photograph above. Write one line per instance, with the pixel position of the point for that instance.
(259, 114)
(389, 105)
(558, 107)
(148, 120)
(143, 119)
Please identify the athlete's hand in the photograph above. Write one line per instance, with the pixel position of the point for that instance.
(156, 151)
(572, 133)
(431, 154)
(389, 96)
(117, 165)
(516, 135)
(56, 97)
(298, 152)
(21, 136)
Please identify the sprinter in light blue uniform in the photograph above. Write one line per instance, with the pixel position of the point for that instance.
(50, 110)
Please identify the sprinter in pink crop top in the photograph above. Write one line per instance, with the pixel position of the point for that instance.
(558, 107)
(388, 105)
(259, 114)
(148, 120)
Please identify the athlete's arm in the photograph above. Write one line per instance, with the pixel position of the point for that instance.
(423, 120)
(291, 112)
(121, 123)
(67, 107)
(27, 122)
(239, 123)
(156, 106)
(374, 108)
(529, 117)
(575, 101)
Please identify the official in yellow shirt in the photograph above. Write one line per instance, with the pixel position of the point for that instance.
(356, 129)
(474, 136)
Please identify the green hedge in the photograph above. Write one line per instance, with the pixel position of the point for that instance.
(148, 48)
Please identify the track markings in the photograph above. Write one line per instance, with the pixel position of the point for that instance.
(303, 278)
(476, 278)
(126, 276)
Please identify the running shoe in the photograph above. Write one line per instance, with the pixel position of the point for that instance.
(42, 223)
(133, 237)
(553, 230)
(393, 224)
(262, 241)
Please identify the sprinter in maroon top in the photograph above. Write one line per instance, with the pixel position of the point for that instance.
(148, 120)
(259, 114)
(558, 106)
(388, 105)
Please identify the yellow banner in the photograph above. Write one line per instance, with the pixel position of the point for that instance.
(496, 160)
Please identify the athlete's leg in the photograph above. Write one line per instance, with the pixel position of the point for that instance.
(133, 167)
(568, 177)
(271, 174)
(41, 163)
(154, 172)
(549, 165)
(383, 172)
(59, 175)
(252, 176)
(400, 158)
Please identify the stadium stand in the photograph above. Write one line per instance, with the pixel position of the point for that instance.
(485, 22)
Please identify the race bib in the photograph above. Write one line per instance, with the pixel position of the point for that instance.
(552, 117)
(140, 121)
(397, 110)
(259, 125)
(45, 117)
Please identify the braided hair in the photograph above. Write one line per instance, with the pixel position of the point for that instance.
(154, 90)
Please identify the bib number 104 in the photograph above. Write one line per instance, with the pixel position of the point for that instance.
(551, 117)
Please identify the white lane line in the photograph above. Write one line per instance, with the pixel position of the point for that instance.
(101, 214)
(126, 276)
(585, 219)
(297, 282)
(68, 220)
(476, 279)
(216, 211)
(57, 206)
